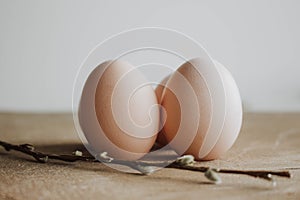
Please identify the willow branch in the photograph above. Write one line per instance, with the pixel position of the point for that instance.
(141, 166)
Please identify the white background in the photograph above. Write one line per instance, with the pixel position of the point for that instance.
(42, 44)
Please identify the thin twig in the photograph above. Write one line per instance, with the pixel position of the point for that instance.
(43, 157)
(254, 173)
(141, 166)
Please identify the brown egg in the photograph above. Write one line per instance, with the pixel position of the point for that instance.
(216, 128)
(118, 111)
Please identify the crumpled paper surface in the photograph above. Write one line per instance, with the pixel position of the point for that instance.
(267, 141)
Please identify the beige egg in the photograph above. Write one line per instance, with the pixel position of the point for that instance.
(118, 111)
(217, 129)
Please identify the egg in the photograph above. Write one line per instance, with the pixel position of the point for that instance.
(214, 104)
(118, 111)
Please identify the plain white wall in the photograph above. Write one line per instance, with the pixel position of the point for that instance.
(42, 44)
